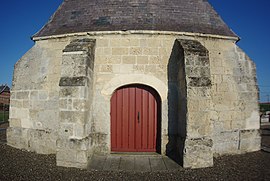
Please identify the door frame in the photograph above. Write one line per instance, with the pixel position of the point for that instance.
(159, 111)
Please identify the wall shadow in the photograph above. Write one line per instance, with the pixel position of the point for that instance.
(177, 104)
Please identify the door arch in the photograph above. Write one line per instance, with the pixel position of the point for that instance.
(135, 119)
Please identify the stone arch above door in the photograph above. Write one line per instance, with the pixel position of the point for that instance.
(148, 80)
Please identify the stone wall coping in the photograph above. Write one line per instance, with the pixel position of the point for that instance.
(130, 32)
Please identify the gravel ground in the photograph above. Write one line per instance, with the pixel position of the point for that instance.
(23, 165)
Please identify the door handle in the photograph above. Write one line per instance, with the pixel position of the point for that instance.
(138, 117)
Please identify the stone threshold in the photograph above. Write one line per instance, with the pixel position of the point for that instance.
(265, 148)
(135, 154)
(132, 162)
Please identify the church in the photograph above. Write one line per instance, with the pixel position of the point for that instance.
(144, 76)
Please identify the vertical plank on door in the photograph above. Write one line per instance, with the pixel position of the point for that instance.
(151, 122)
(125, 118)
(145, 120)
(138, 132)
(132, 114)
(119, 118)
(113, 121)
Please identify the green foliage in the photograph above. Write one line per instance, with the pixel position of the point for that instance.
(4, 116)
(264, 107)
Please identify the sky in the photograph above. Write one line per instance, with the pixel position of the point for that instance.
(250, 20)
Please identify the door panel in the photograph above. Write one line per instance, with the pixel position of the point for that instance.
(133, 120)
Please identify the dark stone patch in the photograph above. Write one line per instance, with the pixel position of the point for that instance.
(73, 81)
(204, 141)
(80, 45)
(204, 61)
(97, 138)
(193, 47)
(199, 82)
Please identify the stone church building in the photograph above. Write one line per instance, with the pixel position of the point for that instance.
(161, 76)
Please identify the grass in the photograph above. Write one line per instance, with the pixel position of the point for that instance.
(3, 116)
(265, 107)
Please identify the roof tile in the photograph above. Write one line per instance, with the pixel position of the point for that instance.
(75, 16)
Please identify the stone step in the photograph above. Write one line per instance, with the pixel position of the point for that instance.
(137, 163)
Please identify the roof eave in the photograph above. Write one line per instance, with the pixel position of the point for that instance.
(124, 32)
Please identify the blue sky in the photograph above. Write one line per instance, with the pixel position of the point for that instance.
(250, 20)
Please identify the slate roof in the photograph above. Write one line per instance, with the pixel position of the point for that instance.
(4, 88)
(75, 16)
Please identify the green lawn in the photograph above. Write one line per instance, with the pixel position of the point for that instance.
(3, 117)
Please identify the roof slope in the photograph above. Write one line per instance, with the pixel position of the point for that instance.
(4, 88)
(196, 16)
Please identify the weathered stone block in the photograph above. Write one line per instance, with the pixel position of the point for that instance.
(22, 113)
(43, 95)
(150, 51)
(102, 42)
(150, 68)
(106, 68)
(13, 122)
(139, 68)
(80, 45)
(79, 130)
(250, 145)
(17, 137)
(249, 134)
(199, 82)
(198, 153)
(34, 95)
(225, 148)
(66, 116)
(119, 51)
(12, 95)
(135, 51)
(69, 92)
(74, 60)
(16, 103)
(129, 59)
(154, 60)
(26, 104)
(82, 157)
(67, 155)
(42, 141)
(65, 130)
(22, 95)
(142, 59)
(80, 105)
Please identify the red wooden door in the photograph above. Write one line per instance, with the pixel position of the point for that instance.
(133, 120)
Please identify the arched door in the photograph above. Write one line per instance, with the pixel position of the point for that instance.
(134, 119)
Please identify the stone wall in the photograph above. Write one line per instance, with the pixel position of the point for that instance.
(122, 60)
(198, 142)
(75, 98)
(235, 111)
(34, 107)
(60, 100)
